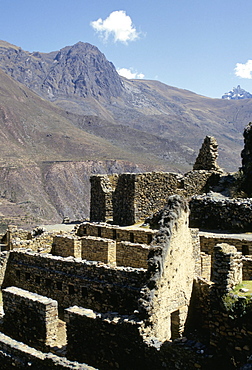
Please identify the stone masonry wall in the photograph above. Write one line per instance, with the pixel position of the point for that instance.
(30, 318)
(17, 355)
(76, 282)
(132, 254)
(167, 294)
(66, 245)
(108, 251)
(206, 266)
(102, 188)
(108, 341)
(99, 249)
(247, 268)
(227, 268)
(103, 230)
(135, 197)
(208, 242)
(3, 263)
(221, 214)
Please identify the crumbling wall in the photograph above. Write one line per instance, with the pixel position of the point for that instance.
(14, 234)
(17, 355)
(221, 213)
(209, 240)
(137, 196)
(76, 282)
(230, 316)
(3, 263)
(30, 318)
(208, 154)
(247, 268)
(246, 155)
(166, 296)
(108, 341)
(227, 268)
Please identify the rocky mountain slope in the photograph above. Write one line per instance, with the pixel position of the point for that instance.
(67, 114)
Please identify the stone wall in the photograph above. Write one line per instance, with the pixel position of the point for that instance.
(103, 230)
(135, 197)
(3, 263)
(66, 245)
(167, 294)
(30, 318)
(209, 240)
(14, 235)
(231, 332)
(99, 249)
(206, 266)
(132, 254)
(108, 341)
(208, 154)
(74, 282)
(111, 341)
(221, 214)
(17, 355)
(227, 268)
(102, 188)
(247, 268)
(112, 252)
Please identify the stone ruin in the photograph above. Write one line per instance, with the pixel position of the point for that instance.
(115, 295)
(208, 154)
(246, 155)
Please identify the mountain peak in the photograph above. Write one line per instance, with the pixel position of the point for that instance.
(237, 93)
(73, 72)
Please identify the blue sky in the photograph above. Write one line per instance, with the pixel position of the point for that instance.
(198, 45)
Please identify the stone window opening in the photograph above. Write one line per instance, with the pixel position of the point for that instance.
(132, 237)
(59, 285)
(48, 283)
(37, 279)
(114, 234)
(27, 276)
(84, 291)
(245, 250)
(175, 325)
(99, 232)
(18, 274)
(149, 238)
(71, 290)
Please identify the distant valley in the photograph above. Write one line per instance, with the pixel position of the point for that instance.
(67, 114)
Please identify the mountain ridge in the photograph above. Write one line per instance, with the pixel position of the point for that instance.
(71, 107)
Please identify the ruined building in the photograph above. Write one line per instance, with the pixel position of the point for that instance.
(135, 287)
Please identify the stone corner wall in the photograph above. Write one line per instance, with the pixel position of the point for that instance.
(30, 318)
(166, 296)
(211, 213)
(227, 268)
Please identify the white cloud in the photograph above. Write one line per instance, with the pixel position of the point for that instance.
(129, 74)
(117, 24)
(244, 70)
